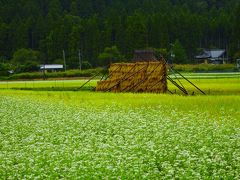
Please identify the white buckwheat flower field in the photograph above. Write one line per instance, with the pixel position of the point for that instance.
(81, 135)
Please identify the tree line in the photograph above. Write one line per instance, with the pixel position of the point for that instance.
(48, 27)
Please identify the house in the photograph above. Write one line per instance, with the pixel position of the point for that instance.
(51, 67)
(213, 56)
(238, 63)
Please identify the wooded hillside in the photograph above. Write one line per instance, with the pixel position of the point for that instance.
(50, 26)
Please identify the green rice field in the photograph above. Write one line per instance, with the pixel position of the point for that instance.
(221, 85)
(91, 135)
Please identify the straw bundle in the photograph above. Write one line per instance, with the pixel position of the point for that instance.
(136, 77)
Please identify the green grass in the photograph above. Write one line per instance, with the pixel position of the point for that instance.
(87, 135)
(223, 84)
(209, 75)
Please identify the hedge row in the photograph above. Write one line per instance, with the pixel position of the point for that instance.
(205, 67)
(92, 72)
(70, 73)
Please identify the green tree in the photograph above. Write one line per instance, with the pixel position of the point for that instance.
(26, 60)
(179, 53)
(74, 8)
(4, 48)
(54, 14)
(110, 55)
(4, 68)
(236, 28)
(22, 56)
(91, 34)
(75, 37)
(136, 37)
(51, 26)
(161, 52)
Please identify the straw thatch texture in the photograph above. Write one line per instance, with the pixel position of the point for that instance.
(136, 77)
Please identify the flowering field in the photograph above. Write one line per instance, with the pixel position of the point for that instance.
(102, 135)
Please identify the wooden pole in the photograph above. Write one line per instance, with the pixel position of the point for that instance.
(80, 61)
(64, 60)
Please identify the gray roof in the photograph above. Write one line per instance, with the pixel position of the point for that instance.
(212, 54)
(51, 66)
(205, 55)
(217, 53)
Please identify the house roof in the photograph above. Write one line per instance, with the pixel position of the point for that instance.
(144, 55)
(51, 66)
(217, 53)
(212, 54)
(205, 55)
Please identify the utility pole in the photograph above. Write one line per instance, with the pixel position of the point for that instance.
(44, 71)
(172, 55)
(80, 61)
(227, 55)
(64, 60)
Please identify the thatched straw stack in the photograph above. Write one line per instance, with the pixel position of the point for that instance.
(136, 77)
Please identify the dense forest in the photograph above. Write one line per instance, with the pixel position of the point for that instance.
(47, 27)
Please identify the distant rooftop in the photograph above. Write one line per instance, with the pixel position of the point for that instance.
(51, 66)
(213, 53)
(144, 55)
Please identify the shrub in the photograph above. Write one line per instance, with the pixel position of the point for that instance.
(28, 67)
(86, 65)
(204, 67)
